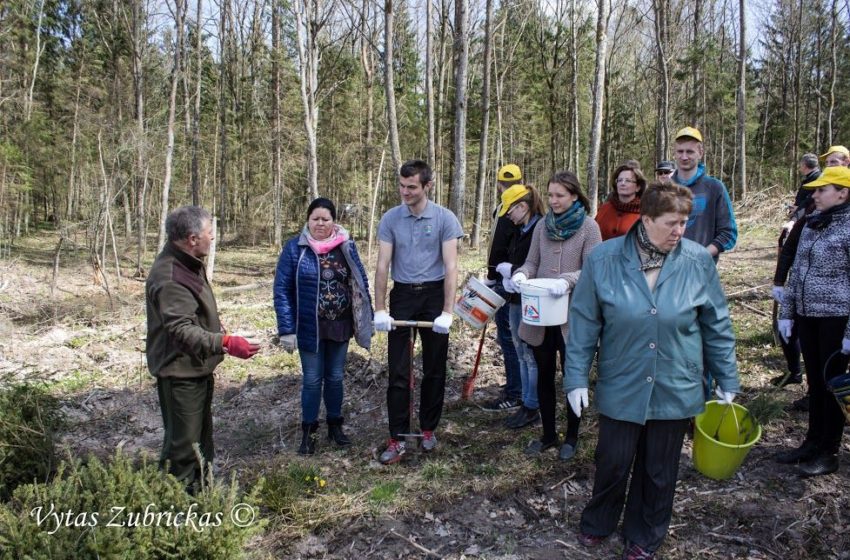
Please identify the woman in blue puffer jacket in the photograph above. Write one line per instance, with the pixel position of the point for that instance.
(321, 298)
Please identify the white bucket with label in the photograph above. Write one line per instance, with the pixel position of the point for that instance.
(477, 303)
(541, 309)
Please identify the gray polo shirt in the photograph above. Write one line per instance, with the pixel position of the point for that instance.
(418, 241)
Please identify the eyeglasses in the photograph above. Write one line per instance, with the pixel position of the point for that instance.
(657, 173)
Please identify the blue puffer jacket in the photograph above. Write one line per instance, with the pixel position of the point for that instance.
(296, 294)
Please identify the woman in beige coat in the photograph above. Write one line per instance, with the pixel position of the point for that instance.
(559, 245)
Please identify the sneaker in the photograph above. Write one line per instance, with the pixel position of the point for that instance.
(636, 552)
(394, 452)
(567, 451)
(501, 404)
(801, 404)
(522, 418)
(588, 540)
(429, 441)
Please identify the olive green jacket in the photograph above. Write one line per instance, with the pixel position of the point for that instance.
(184, 331)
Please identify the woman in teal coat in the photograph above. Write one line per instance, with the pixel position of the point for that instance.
(654, 303)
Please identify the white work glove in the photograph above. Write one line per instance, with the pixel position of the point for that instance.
(288, 342)
(490, 283)
(784, 327)
(443, 323)
(724, 396)
(845, 346)
(383, 321)
(788, 226)
(505, 269)
(578, 400)
(510, 286)
(519, 278)
(777, 292)
(558, 288)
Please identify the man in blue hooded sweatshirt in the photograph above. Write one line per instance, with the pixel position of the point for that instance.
(712, 221)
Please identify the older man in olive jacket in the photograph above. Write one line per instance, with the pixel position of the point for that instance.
(185, 342)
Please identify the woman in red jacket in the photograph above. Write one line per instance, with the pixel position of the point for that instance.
(622, 209)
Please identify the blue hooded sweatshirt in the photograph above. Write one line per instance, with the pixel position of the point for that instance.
(712, 220)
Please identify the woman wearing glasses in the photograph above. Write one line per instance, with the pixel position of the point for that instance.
(622, 209)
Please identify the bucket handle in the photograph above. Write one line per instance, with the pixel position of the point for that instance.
(722, 416)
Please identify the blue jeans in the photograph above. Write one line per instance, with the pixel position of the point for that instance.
(513, 382)
(324, 367)
(527, 365)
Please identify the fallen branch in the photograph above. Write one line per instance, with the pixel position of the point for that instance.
(753, 309)
(245, 288)
(415, 544)
(744, 291)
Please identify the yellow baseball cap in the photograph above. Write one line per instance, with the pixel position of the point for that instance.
(512, 194)
(689, 132)
(838, 176)
(510, 172)
(839, 148)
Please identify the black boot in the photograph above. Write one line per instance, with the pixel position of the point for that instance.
(308, 438)
(335, 432)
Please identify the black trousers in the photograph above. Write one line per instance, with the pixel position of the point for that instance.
(548, 364)
(820, 337)
(651, 452)
(418, 302)
(186, 406)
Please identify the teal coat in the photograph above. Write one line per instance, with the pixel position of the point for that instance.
(652, 346)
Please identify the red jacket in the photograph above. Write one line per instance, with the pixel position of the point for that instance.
(613, 222)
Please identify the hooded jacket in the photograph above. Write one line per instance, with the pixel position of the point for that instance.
(296, 294)
(712, 220)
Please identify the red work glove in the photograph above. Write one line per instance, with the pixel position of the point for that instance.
(239, 347)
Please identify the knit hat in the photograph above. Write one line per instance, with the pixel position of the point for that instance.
(510, 172)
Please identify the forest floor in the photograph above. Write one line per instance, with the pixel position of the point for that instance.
(477, 496)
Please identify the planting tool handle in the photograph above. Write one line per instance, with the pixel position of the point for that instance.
(418, 324)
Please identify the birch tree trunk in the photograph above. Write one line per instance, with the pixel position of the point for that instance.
(223, 161)
(833, 70)
(389, 88)
(461, 48)
(140, 174)
(662, 131)
(478, 218)
(196, 110)
(429, 82)
(308, 23)
(742, 101)
(574, 133)
(172, 109)
(598, 94)
(277, 189)
(39, 49)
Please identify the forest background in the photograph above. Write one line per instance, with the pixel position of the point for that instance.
(113, 112)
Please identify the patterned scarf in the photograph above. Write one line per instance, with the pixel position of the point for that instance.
(632, 207)
(560, 227)
(650, 255)
(335, 239)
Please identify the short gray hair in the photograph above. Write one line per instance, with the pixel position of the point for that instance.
(186, 221)
(810, 161)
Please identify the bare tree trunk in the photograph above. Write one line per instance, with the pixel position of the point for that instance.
(662, 131)
(39, 49)
(172, 109)
(222, 162)
(798, 81)
(196, 110)
(140, 173)
(429, 82)
(833, 70)
(70, 207)
(277, 174)
(461, 49)
(375, 202)
(742, 101)
(485, 128)
(598, 94)
(389, 88)
(309, 20)
(211, 257)
(574, 133)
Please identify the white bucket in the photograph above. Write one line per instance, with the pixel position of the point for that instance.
(539, 307)
(477, 303)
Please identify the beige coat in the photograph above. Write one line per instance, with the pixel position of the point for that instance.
(557, 259)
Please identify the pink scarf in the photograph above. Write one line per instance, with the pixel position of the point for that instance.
(334, 240)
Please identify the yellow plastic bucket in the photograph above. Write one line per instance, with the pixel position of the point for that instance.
(722, 438)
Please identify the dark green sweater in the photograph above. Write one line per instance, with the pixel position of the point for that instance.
(184, 331)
